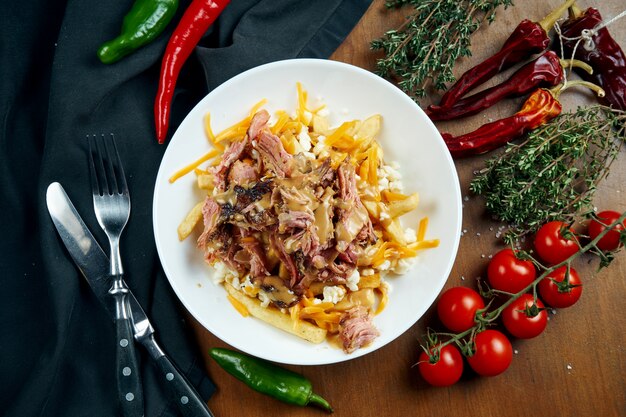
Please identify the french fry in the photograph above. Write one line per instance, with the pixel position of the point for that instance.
(399, 207)
(191, 220)
(320, 125)
(373, 208)
(395, 231)
(364, 297)
(370, 127)
(205, 182)
(369, 281)
(270, 315)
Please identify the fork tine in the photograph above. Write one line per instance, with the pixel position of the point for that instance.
(95, 183)
(112, 165)
(122, 187)
(105, 186)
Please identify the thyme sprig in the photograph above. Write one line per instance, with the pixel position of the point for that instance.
(554, 173)
(423, 50)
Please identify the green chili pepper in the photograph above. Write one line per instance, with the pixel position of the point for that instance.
(269, 379)
(143, 23)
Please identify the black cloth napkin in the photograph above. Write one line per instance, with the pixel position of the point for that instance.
(56, 344)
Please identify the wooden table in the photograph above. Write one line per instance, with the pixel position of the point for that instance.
(575, 368)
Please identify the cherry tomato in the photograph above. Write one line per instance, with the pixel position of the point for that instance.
(550, 244)
(519, 323)
(457, 308)
(493, 354)
(610, 241)
(447, 370)
(508, 273)
(554, 296)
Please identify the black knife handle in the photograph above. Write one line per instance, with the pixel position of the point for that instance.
(181, 391)
(128, 379)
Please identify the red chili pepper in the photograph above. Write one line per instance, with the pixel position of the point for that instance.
(545, 71)
(605, 55)
(527, 39)
(540, 107)
(192, 26)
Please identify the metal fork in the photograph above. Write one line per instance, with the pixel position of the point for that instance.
(111, 202)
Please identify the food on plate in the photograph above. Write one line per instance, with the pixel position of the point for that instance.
(269, 379)
(276, 318)
(301, 221)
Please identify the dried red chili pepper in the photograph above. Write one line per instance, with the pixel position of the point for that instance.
(545, 71)
(192, 26)
(604, 55)
(540, 107)
(527, 39)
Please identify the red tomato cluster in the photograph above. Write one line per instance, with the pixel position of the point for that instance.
(525, 317)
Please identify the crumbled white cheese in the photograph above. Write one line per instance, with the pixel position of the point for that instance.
(307, 116)
(222, 272)
(319, 146)
(403, 265)
(383, 183)
(234, 281)
(334, 294)
(305, 140)
(323, 112)
(265, 300)
(386, 285)
(384, 266)
(410, 235)
(309, 155)
(384, 215)
(247, 284)
(396, 186)
(317, 301)
(392, 173)
(353, 281)
(367, 272)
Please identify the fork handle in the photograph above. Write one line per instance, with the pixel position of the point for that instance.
(129, 387)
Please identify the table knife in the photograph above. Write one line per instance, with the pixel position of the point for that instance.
(94, 265)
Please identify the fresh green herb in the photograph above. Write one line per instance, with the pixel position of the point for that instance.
(554, 173)
(423, 50)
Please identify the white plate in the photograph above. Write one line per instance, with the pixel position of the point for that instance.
(407, 136)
